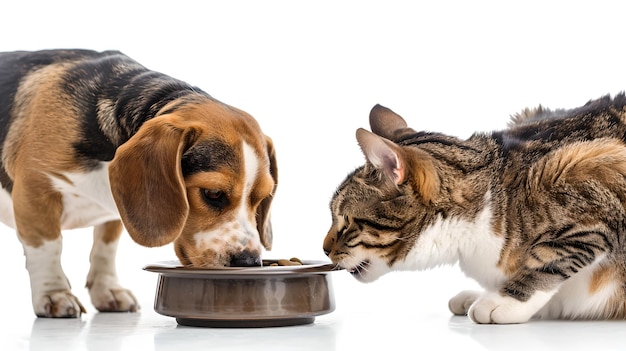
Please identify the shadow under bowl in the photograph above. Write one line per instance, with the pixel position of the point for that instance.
(244, 297)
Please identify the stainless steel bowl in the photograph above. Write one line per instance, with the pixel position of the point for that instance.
(241, 297)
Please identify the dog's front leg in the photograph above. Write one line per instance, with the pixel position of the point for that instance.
(37, 218)
(107, 295)
(50, 287)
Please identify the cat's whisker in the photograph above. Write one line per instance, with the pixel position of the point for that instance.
(363, 266)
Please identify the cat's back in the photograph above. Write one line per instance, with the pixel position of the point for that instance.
(544, 149)
(542, 129)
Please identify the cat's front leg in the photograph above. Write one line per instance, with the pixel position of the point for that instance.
(551, 260)
(495, 308)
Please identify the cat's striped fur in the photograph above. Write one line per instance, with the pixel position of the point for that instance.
(535, 213)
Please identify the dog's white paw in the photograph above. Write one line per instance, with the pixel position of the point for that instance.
(460, 304)
(58, 304)
(112, 298)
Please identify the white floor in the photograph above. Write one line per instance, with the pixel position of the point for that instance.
(351, 327)
(405, 310)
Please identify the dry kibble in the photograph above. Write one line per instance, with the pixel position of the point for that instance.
(288, 263)
(294, 261)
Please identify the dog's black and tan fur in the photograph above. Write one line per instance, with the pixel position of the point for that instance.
(88, 138)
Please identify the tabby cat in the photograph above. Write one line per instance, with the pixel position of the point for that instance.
(534, 213)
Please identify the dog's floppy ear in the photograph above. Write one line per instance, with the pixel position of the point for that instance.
(147, 181)
(264, 225)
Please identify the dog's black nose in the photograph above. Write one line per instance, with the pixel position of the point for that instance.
(245, 259)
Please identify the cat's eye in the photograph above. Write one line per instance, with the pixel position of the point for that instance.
(216, 199)
(345, 224)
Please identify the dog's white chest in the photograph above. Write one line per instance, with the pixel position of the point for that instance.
(87, 198)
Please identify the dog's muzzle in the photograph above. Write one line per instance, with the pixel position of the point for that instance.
(245, 259)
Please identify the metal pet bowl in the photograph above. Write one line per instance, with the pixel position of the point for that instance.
(244, 297)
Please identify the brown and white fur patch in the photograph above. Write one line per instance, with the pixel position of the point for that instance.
(96, 139)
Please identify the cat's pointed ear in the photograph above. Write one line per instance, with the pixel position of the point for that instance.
(382, 154)
(398, 165)
(385, 122)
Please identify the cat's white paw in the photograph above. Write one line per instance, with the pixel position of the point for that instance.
(494, 308)
(497, 309)
(460, 304)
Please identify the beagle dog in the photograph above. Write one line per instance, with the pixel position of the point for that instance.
(96, 139)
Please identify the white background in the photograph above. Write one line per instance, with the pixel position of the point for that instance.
(310, 71)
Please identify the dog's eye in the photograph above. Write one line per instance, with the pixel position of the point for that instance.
(215, 198)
